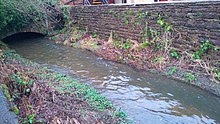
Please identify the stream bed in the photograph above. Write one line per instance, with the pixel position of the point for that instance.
(146, 98)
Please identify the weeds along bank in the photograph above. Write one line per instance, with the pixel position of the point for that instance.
(155, 51)
(44, 96)
(41, 95)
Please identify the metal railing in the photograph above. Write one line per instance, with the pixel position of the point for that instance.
(105, 2)
(87, 2)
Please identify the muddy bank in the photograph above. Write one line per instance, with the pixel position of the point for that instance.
(44, 96)
(170, 62)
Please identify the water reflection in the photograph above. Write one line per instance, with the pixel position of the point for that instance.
(147, 98)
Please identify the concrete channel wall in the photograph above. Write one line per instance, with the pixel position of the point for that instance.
(196, 21)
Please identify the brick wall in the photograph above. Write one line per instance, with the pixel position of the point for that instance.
(197, 21)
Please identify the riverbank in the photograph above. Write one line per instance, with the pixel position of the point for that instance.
(148, 56)
(44, 96)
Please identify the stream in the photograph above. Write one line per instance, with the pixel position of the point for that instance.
(146, 98)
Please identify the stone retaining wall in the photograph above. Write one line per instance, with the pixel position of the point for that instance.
(196, 21)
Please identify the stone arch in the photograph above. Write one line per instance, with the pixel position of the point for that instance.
(26, 30)
(33, 28)
(22, 35)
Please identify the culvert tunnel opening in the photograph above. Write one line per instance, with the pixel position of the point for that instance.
(22, 36)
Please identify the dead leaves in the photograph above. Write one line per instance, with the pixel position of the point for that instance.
(68, 120)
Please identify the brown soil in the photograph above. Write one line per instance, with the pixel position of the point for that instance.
(39, 101)
(145, 58)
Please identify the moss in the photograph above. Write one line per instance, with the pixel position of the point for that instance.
(5, 91)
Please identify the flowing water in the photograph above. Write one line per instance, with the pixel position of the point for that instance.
(146, 98)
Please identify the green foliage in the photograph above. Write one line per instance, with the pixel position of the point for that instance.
(95, 45)
(23, 84)
(205, 46)
(163, 24)
(145, 44)
(81, 90)
(160, 21)
(140, 15)
(100, 101)
(63, 84)
(173, 70)
(30, 107)
(120, 58)
(139, 22)
(196, 55)
(127, 45)
(31, 118)
(130, 12)
(120, 114)
(9, 15)
(190, 77)
(115, 35)
(15, 14)
(111, 11)
(95, 35)
(5, 91)
(216, 73)
(27, 90)
(5, 18)
(217, 76)
(158, 60)
(174, 54)
(66, 13)
(15, 109)
(116, 43)
(93, 97)
(132, 20)
(116, 15)
(153, 35)
(126, 22)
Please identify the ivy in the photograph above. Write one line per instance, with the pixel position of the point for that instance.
(204, 48)
(16, 14)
